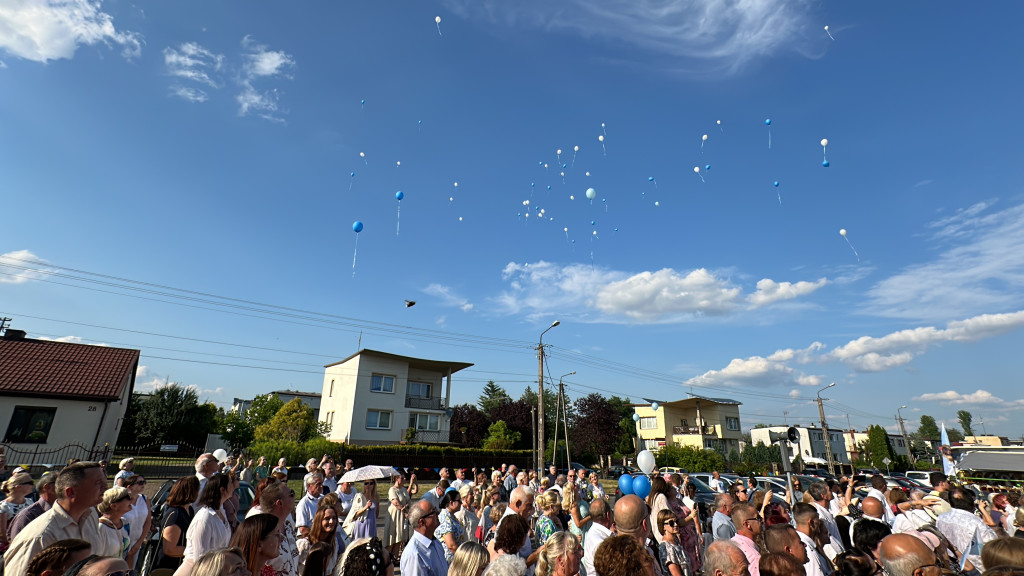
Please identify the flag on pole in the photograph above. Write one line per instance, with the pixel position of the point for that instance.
(947, 455)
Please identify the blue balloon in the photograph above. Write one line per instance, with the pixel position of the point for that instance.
(564, 166)
(825, 163)
(420, 122)
(399, 194)
(776, 183)
(641, 486)
(357, 226)
(708, 167)
(626, 484)
(549, 186)
(352, 174)
(540, 163)
(650, 178)
(767, 121)
(591, 222)
(636, 417)
(363, 101)
(532, 184)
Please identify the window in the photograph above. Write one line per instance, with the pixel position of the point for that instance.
(378, 419)
(425, 421)
(732, 423)
(648, 423)
(30, 424)
(420, 389)
(682, 422)
(382, 383)
(331, 391)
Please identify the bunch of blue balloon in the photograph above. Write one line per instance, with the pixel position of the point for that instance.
(640, 485)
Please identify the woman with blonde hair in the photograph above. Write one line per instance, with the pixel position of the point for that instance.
(560, 556)
(17, 488)
(578, 511)
(468, 515)
(470, 560)
(548, 524)
(396, 525)
(362, 516)
(221, 562)
(113, 532)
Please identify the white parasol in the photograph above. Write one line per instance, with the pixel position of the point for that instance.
(369, 473)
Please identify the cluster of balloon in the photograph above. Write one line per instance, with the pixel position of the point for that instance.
(824, 152)
(437, 20)
(398, 220)
(842, 232)
(768, 123)
(829, 33)
(357, 227)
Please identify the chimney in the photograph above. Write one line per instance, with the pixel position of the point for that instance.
(12, 334)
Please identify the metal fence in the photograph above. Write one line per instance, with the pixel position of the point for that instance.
(38, 459)
(159, 459)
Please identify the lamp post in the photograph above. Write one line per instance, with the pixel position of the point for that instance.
(910, 453)
(560, 407)
(824, 429)
(540, 397)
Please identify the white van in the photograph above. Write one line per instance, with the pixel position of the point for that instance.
(921, 477)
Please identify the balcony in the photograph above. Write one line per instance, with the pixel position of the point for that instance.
(421, 403)
(413, 436)
(683, 430)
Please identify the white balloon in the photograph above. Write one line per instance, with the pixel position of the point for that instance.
(559, 151)
(826, 27)
(645, 460)
(600, 138)
(657, 203)
(587, 173)
(704, 138)
(456, 184)
(719, 122)
(842, 231)
(220, 454)
(591, 193)
(824, 142)
(565, 229)
(575, 148)
(438, 19)
(696, 169)
(399, 163)
(362, 154)
(572, 197)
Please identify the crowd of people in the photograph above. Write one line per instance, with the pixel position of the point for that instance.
(502, 522)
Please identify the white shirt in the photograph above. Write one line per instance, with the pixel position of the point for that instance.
(305, 509)
(887, 515)
(457, 484)
(595, 536)
(816, 564)
(432, 497)
(833, 529)
(423, 557)
(208, 531)
(962, 528)
(716, 485)
(54, 524)
(910, 520)
(345, 499)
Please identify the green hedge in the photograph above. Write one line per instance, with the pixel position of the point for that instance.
(405, 455)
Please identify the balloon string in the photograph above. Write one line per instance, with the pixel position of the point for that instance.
(780, 198)
(439, 29)
(573, 160)
(701, 177)
(354, 251)
(769, 137)
(852, 248)
(603, 149)
(398, 220)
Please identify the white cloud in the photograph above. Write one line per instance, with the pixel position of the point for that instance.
(193, 63)
(770, 291)
(260, 63)
(758, 371)
(44, 30)
(794, 393)
(448, 297)
(14, 269)
(981, 270)
(870, 354)
(67, 339)
(714, 35)
(664, 296)
(977, 398)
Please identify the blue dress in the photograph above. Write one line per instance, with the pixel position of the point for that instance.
(366, 527)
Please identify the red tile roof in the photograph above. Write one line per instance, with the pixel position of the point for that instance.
(42, 368)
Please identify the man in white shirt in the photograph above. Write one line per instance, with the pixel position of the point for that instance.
(822, 496)
(784, 539)
(633, 520)
(878, 488)
(460, 479)
(80, 488)
(206, 466)
(963, 528)
(330, 474)
(306, 508)
(521, 504)
(423, 555)
(600, 528)
(716, 482)
(806, 519)
(435, 494)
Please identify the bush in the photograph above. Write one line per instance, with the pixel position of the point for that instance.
(689, 458)
(298, 453)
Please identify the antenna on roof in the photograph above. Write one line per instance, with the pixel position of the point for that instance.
(359, 345)
(3, 324)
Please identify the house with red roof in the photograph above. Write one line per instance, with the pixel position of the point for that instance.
(55, 394)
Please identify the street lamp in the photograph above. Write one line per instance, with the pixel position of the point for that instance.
(899, 416)
(560, 405)
(824, 429)
(540, 397)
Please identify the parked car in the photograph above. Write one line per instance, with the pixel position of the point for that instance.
(668, 470)
(147, 556)
(819, 472)
(616, 471)
(705, 477)
(923, 478)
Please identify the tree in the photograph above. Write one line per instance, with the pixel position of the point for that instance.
(689, 458)
(468, 424)
(499, 437)
(517, 417)
(880, 447)
(965, 419)
(293, 422)
(492, 396)
(171, 414)
(550, 404)
(594, 428)
(955, 435)
(928, 430)
(626, 427)
(238, 430)
(761, 456)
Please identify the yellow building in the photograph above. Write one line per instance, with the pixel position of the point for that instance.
(712, 423)
(986, 441)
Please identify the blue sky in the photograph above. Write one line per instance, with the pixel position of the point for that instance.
(210, 147)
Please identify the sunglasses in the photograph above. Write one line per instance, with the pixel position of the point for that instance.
(672, 523)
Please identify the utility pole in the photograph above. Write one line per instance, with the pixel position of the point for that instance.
(565, 422)
(903, 429)
(533, 419)
(785, 417)
(540, 398)
(824, 429)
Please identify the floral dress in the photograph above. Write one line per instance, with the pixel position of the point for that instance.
(546, 526)
(449, 525)
(687, 534)
(673, 553)
(10, 509)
